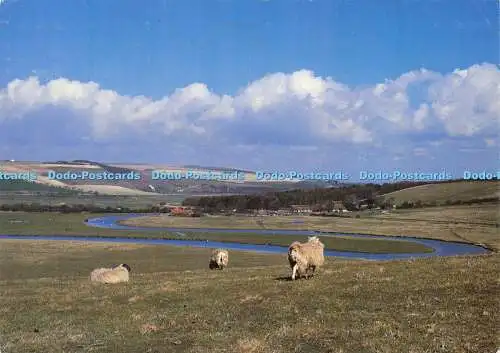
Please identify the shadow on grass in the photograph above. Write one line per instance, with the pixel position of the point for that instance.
(289, 278)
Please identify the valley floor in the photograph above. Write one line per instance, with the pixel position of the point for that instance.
(173, 303)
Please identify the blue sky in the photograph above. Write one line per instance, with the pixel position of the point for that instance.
(252, 84)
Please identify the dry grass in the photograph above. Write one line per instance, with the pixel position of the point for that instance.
(175, 304)
(484, 214)
(442, 192)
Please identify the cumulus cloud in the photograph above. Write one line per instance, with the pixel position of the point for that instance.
(298, 109)
(3, 2)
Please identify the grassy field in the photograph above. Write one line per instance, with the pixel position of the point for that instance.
(173, 303)
(472, 223)
(72, 224)
(442, 192)
(481, 215)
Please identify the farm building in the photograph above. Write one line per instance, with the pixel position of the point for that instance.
(339, 207)
(301, 209)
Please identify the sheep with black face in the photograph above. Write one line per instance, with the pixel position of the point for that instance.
(116, 274)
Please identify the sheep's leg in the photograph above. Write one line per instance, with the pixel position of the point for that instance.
(308, 272)
(294, 271)
(313, 269)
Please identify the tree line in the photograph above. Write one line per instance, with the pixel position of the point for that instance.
(79, 208)
(351, 196)
(320, 200)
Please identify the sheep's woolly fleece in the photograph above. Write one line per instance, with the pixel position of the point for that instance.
(304, 258)
(115, 274)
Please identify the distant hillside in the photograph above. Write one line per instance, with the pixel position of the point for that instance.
(451, 191)
(146, 184)
(84, 162)
(113, 169)
(223, 169)
(75, 162)
(23, 185)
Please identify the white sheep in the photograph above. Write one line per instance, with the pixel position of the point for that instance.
(305, 257)
(115, 274)
(219, 259)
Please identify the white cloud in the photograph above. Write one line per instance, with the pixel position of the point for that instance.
(467, 102)
(297, 109)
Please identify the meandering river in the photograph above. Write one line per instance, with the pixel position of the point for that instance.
(440, 248)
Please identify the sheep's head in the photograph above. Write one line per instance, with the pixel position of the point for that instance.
(294, 252)
(125, 266)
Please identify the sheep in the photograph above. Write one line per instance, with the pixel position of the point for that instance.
(305, 257)
(219, 259)
(115, 274)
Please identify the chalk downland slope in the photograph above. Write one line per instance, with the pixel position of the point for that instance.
(112, 190)
(145, 185)
(442, 192)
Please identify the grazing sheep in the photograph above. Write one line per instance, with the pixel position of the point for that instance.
(305, 257)
(219, 259)
(115, 274)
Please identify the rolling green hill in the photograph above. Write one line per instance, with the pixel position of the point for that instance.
(443, 192)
